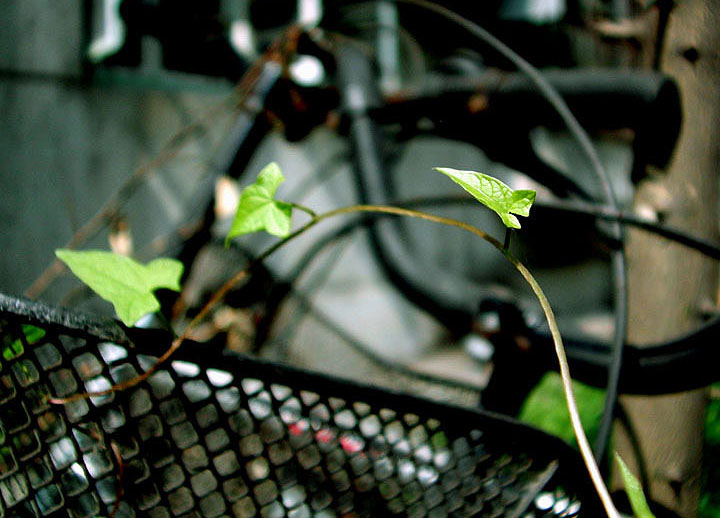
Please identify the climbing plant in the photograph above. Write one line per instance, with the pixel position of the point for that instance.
(129, 285)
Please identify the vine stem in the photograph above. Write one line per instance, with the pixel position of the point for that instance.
(582, 440)
(585, 449)
(303, 208)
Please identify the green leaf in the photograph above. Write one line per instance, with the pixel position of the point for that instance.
(494, 194)
(634, 490)
(127, 284)
(545, 407)
(258, 210)
(32, 336)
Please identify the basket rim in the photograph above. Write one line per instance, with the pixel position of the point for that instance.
(519, 437)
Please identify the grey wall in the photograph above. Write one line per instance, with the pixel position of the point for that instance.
(67, 144)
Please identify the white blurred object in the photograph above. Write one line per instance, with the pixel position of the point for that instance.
(307, 71)
(309, 13)
(112, 34)
(227, 197)
(120, 238)
(242, 38)
(478, 348)
(534, 11)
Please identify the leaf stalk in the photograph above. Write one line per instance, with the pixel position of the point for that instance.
(582, 440)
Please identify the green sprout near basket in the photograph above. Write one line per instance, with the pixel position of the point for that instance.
(130, 286)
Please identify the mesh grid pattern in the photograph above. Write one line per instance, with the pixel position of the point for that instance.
(223, 436)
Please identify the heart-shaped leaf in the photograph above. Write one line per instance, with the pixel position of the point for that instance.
(494, 194)
(258, 209)
(633, 488)
(125, 283)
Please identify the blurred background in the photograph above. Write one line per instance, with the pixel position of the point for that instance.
(132, 125)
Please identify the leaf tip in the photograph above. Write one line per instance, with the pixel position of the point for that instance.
(272, 167)
(634, 490)
(512, 222)
(272, 175)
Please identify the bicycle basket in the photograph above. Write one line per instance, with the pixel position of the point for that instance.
(212, 434)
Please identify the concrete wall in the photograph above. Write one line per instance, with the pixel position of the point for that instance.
(68, 143)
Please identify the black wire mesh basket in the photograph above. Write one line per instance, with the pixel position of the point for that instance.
(215, 434)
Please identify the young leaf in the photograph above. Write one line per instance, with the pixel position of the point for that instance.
(32, 336)
(494, 194)
(634, 490)
(127, 284)
(258, 209)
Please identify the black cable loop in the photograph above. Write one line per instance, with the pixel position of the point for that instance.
(580, 135)
(342, 232)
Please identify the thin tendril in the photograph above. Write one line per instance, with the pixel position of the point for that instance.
(583, 443)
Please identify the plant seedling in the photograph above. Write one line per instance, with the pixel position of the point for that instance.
(129, 285)
(122, 281)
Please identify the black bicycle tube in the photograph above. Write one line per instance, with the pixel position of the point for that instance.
(359, 96)
(618, 256)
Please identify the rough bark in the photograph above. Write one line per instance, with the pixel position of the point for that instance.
(670, 286)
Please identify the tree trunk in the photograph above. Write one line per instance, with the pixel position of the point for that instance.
(670, 286)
